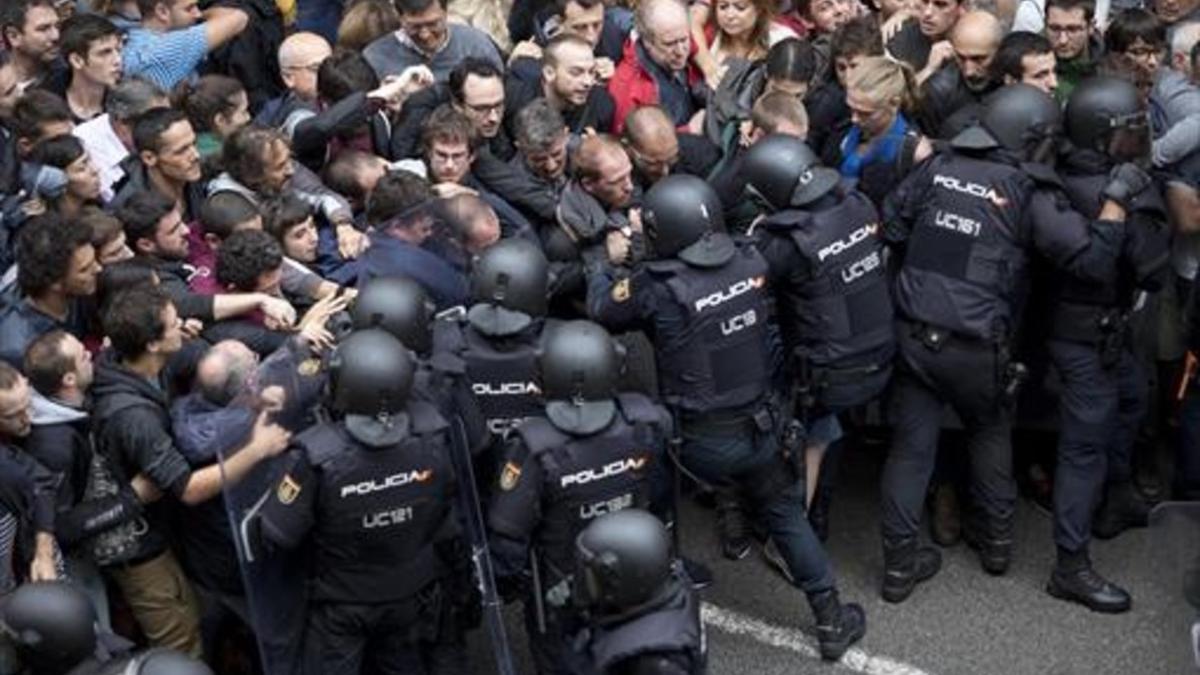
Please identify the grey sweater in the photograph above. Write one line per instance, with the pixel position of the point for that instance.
(392, 53)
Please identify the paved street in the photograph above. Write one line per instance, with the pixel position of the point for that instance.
(963, 622)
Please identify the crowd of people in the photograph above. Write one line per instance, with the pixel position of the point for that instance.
(327, 328)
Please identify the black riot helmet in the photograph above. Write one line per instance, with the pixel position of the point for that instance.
(1023, 119)
(683, 218)
(782, 171)
(1106, 114)
(509, 281)
(398, 305)
(622, 560)
(169, 662)
(372, 373)
(580, 364)
(53, 625)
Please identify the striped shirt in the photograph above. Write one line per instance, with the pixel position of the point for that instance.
(167, 58)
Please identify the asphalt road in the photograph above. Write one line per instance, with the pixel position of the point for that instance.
(962, 622)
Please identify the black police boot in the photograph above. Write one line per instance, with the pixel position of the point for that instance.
(1123, 508)
(733, 529)
(945, 524)
(838, 625)
(1075, 580)
(698, 572)
(993, 543)
(905, 564)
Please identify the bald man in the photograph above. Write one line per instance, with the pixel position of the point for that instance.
(960, 76)
(657, 149)
(656, 68)
(300, 56)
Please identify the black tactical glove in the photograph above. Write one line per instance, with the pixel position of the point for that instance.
(1125, 182)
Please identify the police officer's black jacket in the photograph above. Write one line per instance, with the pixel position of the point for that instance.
(965, 222)
(1143, 262)
(554, 483)
(378, 518)
(717, 351)
(501, 373)
(827, 272)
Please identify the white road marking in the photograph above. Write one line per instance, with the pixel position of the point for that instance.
(857, 660)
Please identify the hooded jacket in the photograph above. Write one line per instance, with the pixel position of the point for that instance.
(61, 442)
(133, 431)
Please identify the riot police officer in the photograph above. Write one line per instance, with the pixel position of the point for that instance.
(402, 307)
(594, 452)
(641, 615)
(1104, 392)
(963, 223)
(53, 626)
(372, 494)
(826, 262)
(503, 330)
(703, 302)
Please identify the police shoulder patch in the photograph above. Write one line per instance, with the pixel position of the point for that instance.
(309, 367)
(510, 475)
(620, 290)
(288, 490)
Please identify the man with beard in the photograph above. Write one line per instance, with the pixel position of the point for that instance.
(259, 164)
(963, 81)
(30, 29)
(568, 83)
(155, 231)
(57, 274)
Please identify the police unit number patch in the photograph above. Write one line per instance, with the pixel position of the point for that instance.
(620, 291)
(288, 490)
(509, 476)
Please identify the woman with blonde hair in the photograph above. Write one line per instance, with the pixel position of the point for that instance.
(881, 144)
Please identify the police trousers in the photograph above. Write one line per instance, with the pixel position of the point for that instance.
(731, 449)
(966, 375)
(382, 639)
(1187, 452)
(1100, 411)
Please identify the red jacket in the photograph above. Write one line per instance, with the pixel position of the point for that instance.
(632, 85)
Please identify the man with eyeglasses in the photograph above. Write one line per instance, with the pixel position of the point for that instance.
(300, 57)
(657, 68)
(427, 38)
(1068, 28)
